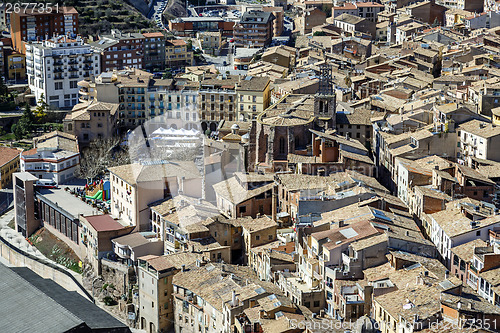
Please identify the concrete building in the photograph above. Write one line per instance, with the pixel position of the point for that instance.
(135, 186)
(52, 164)
(56, 65)
(279, 14)
(255, 29)
(142, 98)
(9, 163)
(24, 203)
(478, 139)
(96, 232)
(32, 25)
(177, 53)
(211, 41)
(15, 64)
(119, 50)
(154, 51)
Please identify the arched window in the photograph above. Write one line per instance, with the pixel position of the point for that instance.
(282, 145)
(70, 127)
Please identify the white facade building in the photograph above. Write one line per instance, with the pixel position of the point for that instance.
(55, 66)
(451, 228)
(50, 164)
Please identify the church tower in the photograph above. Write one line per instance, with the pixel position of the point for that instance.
(325, 99)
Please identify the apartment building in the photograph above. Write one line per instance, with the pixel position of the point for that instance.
(177, 53)
(92, 120)
(478, 139)
(55, 66)
(154, 51)
(211, 41)
(255, 29)
(210, 297)
(279, 15)
(367, 10)
(135, 186)
(52, 164)
(155, 275)
(119, 50)
(455, 226)
(253, 94)
(9, 163)
(32, 25)
(15, 64)
(96, 232)
(217, 100)
(169, 103)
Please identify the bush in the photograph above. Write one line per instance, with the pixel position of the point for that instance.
(109, 301)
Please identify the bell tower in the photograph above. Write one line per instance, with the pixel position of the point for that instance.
(325, 99)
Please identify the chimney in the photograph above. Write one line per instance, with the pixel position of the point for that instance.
(198, 263)
(183, 268)
(447, 274)
(341, 223)
(233, 301)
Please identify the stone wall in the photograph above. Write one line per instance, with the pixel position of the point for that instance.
(46, 269)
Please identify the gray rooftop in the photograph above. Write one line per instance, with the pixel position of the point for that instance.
(31, 303)
(66, 201)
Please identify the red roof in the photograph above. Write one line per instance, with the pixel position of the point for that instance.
(30, 152)
(369, 4)
(103, 223)
(345, 6)
(7, 154)
(177, 42)
(153, 34)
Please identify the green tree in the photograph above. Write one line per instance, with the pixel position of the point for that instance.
(23, 127)
(319, 33)
(40, 110)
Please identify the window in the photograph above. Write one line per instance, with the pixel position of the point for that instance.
(58, 85)
(73, 84)
(307, 304)
(257, 237)
(282, 145)
(478, 233)
(270, 237)
(243, 209)
(316, 304)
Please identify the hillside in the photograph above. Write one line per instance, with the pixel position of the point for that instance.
(100, 16)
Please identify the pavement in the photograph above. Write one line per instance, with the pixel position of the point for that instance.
(16, 238)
